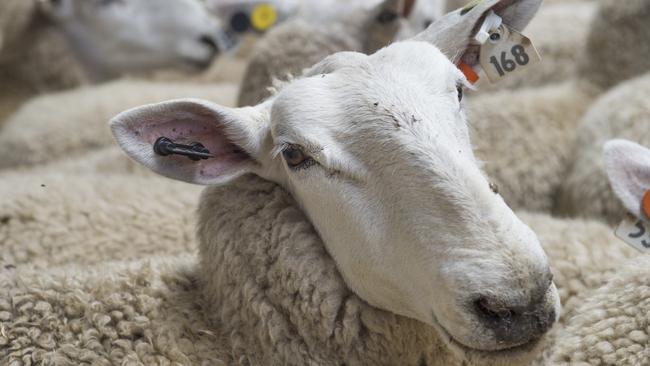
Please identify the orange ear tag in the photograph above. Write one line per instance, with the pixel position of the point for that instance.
(646, 204)
(470, 74)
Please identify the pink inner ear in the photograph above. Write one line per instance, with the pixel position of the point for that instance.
(189, 127)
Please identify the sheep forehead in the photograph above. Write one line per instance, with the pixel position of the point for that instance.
(384, 95)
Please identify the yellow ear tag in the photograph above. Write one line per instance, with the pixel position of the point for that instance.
(263, 17)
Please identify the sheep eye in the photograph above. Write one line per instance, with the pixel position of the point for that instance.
(459, 89)
(296, 157)
(386, 16)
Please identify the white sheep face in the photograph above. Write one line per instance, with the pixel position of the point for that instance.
(377, 152)
(122, 36)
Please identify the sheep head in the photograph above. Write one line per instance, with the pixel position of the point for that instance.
(114, 37)
(376, 151)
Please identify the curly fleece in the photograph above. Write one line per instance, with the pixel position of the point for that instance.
(612, 325)
(49, 219)
(136, 313)
(268, 289)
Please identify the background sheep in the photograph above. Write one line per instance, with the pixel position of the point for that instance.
(54, 45)
(118, 313)
(585, 190)
(610, 326)
(42, 130)
(296, 45)
(529, 165)
(51, 218)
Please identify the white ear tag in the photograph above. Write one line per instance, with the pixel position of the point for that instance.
(506, 51)
(635, 232)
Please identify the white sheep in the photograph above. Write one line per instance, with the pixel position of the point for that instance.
(295, 45)
(526, 136)
(376, 151)
(46, 128)
(58, 44)
(585, 190)
(55, 216)
(611, 325)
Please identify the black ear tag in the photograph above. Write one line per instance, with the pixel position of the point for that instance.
(194, 151)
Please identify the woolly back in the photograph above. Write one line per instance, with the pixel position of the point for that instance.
(274, 291)
(617, 46)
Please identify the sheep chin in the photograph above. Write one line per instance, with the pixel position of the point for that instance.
(522, 354)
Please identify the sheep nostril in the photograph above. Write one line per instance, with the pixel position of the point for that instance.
(491, 311)
(210, 42)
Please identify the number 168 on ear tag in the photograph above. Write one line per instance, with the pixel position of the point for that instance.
(507, 51)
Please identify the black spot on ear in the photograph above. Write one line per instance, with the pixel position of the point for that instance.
(386, 16)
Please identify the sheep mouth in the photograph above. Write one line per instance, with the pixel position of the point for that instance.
(519, 351)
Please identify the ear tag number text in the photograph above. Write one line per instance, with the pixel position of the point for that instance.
(505, 52)
(635, 232)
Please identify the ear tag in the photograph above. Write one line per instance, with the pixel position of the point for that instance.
(635, 231)
(263, 17)
(505, 51)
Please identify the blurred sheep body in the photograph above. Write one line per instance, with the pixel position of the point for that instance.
(623, 112)
(530, 163)
(296, 45)
(41, 130)
(56, 216)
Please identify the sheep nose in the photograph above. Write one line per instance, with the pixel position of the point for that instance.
(211, 43)
(514, 325)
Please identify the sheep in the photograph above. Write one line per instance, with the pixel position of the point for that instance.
(585, 191)
(72, 42)
(46, 128)
(295, 45)
(611, 325)
(386, 178)
(517, 130)
(52, 217)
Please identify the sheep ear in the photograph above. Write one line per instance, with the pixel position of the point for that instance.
(453, 34)
(232, 136)
(628, 168)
